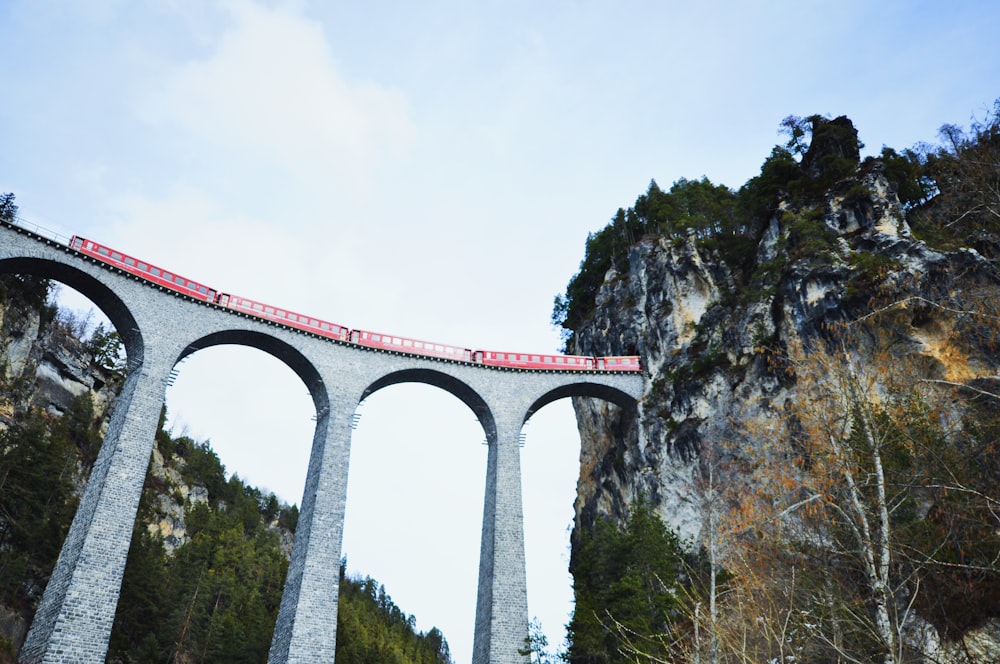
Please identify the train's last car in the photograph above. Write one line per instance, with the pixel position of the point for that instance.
(618, 363)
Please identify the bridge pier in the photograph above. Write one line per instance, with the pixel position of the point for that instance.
(502, 604)
(74, 619)
(306, 629)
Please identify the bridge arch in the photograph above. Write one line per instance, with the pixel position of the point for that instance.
(99, 293)
(585, 389)
(460, 389)
(281, 350)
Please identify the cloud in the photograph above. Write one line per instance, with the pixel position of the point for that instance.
(270, 93)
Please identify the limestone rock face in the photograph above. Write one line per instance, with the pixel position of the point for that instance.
(700, 341)
(47, 367)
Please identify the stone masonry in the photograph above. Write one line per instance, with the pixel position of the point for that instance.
(160, 328)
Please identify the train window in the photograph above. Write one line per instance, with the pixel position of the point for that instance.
(535, 358)
(103, 251)
(129, 260)
(154, 271)
(116, 255)
(143, 267)
(560, 360)
(203, 290)
(257, 306)
(375, 337)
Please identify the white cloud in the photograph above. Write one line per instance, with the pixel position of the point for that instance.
(271, 93)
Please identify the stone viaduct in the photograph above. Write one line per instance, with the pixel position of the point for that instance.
(160, 328)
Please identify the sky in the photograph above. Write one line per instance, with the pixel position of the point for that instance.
(431, 170)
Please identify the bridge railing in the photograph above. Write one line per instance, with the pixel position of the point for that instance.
(18, 220)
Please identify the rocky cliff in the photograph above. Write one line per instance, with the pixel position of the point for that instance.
(44, 363)
(675, 305)
(709, 326)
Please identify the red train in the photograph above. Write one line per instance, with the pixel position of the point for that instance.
(367, 338)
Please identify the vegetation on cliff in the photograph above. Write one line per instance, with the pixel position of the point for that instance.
(950, 191)
(630, 586)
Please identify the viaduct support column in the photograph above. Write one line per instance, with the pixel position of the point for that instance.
(73, 622)
(502, 605)
(306, 630)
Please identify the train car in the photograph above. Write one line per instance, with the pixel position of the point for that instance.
(415, 346)
(619, 363)
(283, 316)
(143, 269)
(534, 360)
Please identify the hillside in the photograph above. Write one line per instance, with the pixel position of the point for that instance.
(209, 553)
(821, 424)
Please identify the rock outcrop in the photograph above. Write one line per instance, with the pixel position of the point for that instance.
(44, 365)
